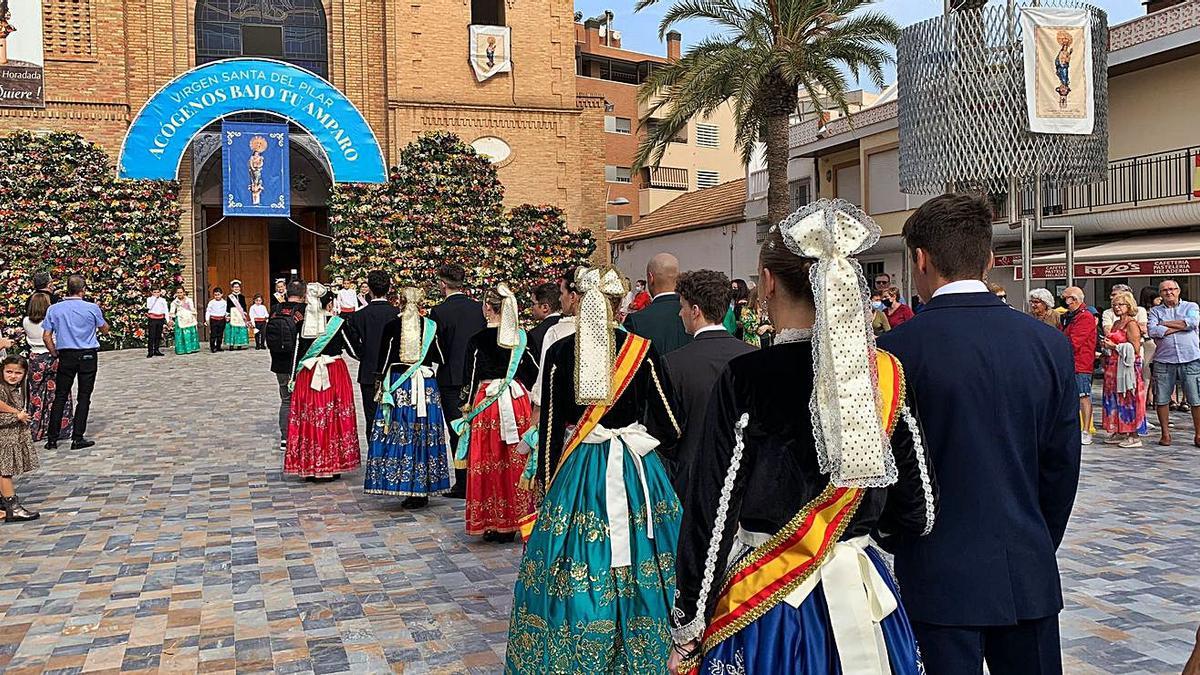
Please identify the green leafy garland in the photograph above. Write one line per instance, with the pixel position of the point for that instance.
(444, 204)
(63, 211)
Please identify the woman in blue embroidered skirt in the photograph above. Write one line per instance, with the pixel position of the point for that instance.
(595, 585)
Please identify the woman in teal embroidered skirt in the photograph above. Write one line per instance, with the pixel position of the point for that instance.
(597, 581)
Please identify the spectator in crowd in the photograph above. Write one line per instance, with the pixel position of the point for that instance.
(283, 334)
(883, 281)
(998, 291)
(1173, 325)
(641, 297)
(70, 333)
(1124, 399)
(1079, 325)
(547, 311)
(41, 284)
(1148, 300)
(897, 312)
(1041, 307)
(1108, 317)
(43, 370)
(660, 322)
(879, 320)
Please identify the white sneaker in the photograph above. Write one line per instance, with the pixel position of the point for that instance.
(1085, 438)
(1132, 442)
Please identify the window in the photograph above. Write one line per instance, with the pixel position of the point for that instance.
(883, 184)
(799, 193)
(615, 223)
(708, 135)
(652, 126)
(289, 30)
(707, 179)
(487, 12)
(616, 125)
(618, 174)
(848, 184)
(874, 269)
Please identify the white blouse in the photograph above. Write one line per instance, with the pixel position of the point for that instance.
(34, 335)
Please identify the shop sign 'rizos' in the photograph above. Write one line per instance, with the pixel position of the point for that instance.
(1133, 268)
(165, 126)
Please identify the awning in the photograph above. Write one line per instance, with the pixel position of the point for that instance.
(1156, 255)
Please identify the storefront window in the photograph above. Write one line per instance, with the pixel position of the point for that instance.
(289, 30)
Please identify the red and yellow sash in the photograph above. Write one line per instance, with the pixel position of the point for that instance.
(766, 576)
(629, 359)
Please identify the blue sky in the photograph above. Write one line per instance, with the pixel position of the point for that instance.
(639, 32)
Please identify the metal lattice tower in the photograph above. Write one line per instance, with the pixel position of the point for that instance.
(963, 120)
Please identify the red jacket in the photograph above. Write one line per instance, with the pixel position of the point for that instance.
(903, 313)
(1080, 329)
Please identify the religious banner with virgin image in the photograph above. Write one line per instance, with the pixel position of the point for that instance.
(1057, 46)
(254, 158)
(21, 55)
(491, 50)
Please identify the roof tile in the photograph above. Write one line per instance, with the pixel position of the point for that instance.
(710, 207)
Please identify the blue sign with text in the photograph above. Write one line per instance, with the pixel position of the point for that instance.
(254, 168)
(162, 131)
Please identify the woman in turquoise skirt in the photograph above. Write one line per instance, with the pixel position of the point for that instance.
(597, 580)
(183, 317)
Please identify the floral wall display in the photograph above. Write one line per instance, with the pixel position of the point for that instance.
(443, 203)
(62, 211)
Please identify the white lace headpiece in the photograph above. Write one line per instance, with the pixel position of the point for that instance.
(851, 444)
(314, 311)
(410, 326)
(595, 344)
(507, 335)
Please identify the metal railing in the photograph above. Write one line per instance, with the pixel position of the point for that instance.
(1132, 181)
(757, 185)
(665, 177)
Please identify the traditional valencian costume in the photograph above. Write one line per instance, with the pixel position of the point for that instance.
(237, 332)
(500, 371)
(183, 315)
(595, 585)
(776, 573)
(409, 451)
(322, 426)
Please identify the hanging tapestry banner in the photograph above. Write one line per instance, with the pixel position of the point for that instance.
(254, 158)
(21, 56)
(1058, 70)
(491, 50)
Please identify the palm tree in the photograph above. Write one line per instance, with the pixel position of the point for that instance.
(764, 53)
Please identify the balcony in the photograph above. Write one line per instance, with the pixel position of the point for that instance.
(756, 187)
(665, 178)
(1159, 178)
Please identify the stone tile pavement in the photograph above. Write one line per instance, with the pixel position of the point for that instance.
(176, 545)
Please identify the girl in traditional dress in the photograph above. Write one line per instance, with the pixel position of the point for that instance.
(408, 451)
(1124, 398)
(595, 585)
(237, 332)
(43, 369)
(499, 413)
(322, 426)
(810, 446)
(183, 317)
(17, 454)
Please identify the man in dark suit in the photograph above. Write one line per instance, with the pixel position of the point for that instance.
(458, 319)
(995, 392)
(547, 311)
(365, 334)
(694, 367)
(660, 323)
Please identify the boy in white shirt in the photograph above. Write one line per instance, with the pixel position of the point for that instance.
(216, 314)
(347, 297)
(156, 318)
(259, 315)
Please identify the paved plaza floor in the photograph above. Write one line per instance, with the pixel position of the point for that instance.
(176, 544)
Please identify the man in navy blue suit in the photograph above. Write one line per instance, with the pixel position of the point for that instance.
(996, 395)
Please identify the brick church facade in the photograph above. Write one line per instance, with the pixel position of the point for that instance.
(403, 64)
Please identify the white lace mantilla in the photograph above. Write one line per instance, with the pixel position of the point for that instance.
(793, 335)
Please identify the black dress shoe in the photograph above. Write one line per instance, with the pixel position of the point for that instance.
(457, 494)
(82, 444)
(503, 537)
(490, 535)
(415, 502)
(51, 445)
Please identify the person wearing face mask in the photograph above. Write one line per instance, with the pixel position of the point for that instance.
(879, 320)
(897, 312)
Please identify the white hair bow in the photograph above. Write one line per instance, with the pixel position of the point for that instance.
(314, 311)
(508, 334)
(595, 346)
(851, 444)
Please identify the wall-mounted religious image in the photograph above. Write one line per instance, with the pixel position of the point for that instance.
(1058, 69)
(491, 50)
(254, 158)
(21, 57)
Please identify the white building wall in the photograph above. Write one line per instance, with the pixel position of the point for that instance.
(730, 249)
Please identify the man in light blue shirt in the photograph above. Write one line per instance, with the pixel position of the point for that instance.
(1173, 325)
(71, 335)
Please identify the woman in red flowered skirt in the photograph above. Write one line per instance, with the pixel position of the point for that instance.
(494, 502)
(322, 428)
